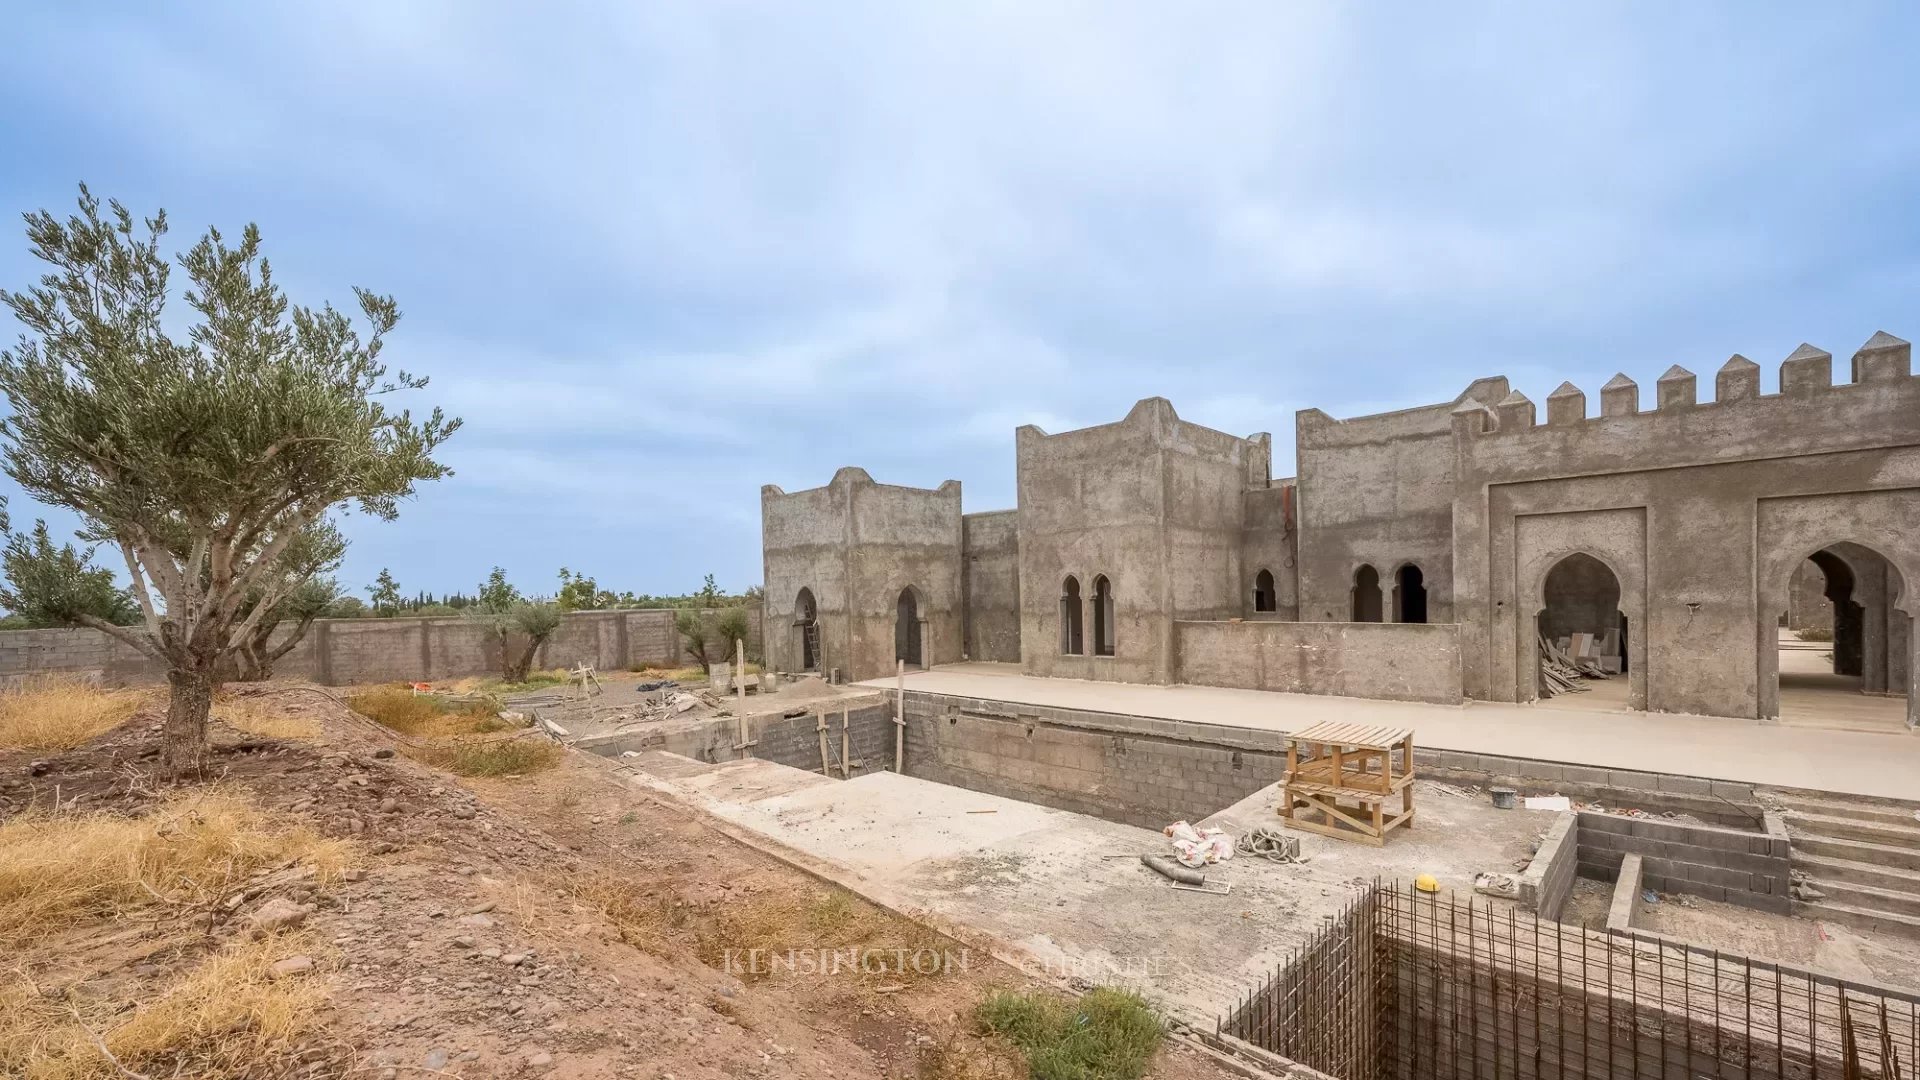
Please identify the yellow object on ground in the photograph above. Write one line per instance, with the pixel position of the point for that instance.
(1427, 883)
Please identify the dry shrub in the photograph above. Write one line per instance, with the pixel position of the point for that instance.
(754, 936)
(227, 1016)
(490, 757)
(59, 712)
(428, 715)
(550, 904)
(256, 717)
(59, 867)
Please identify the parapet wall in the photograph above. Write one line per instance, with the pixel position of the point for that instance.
(1394, 661)
(340, 652)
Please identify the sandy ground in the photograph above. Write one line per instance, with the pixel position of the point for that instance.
(1067, 892)
(1720, 748)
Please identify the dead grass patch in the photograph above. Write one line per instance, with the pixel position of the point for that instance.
(58, 712)
(227, 1016)
(428, 715)
(260, 718)
(490, 757)
(60, 867)
(766, 934)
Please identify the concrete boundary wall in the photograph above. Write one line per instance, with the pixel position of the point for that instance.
(1392, 661)
(793, 741)
(1740, 867)
(338, 652)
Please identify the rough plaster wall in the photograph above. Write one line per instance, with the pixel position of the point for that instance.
(1367, 660)
(1152, 502)
(1378, 490)
(1709, 479)
(1807, 605)
(1617, 540)
(991, 544)
(1267, 543)
(803, 544)
(902, 536)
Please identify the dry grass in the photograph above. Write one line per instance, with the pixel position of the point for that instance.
(59, 868)
(493, 684)
(256, 717)
(747, 935)
(490, 757)
(52, 712)
(227, 1016)
(550, 904)
(428, 715)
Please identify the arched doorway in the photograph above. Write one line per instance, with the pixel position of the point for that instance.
(1072, 641)
(806, 629)
(1102, 616)
(1846, 663)
(1583, 635)
(1409, 595)
(1264, 597)
(1366, 594)
(907, 629)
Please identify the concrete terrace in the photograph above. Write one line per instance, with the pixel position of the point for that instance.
(1719, 748)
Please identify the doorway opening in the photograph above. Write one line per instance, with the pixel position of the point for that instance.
(806, 626)
(1843, 649)
(1409, 595)
(1366, 594)
(1583, 637)
(1264, 597)
(907, 630)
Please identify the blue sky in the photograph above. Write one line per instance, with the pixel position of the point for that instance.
(657, 255)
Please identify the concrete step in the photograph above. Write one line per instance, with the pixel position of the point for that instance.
(1868, 898)
(1878, 922)
(1872, 874)
(1856, 851)
(1850, 828)
(1889, 813)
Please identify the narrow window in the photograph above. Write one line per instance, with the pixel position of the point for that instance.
(1366, 594)
(1263, 596)
(1102, 617)
(1071, 641)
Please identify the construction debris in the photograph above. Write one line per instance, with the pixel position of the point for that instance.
(1582, 656)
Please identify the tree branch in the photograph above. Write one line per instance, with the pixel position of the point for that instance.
(140, 591)
(146, 645)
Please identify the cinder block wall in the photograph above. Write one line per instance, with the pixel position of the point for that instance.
(791, 741)
(1134, 770)
(344, 651)
(1740, 867)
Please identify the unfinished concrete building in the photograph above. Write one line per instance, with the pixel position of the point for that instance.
(1420, 555)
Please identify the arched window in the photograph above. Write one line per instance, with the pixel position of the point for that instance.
(806, 627)
(1263, 594)
(906, 628)
(1102, 616)
(1409, 595)
(1366, 594)
(1071, 641)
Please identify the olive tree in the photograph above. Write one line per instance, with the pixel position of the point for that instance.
(202, 458)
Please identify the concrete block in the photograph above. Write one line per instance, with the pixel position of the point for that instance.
(1628, 778)
(1583, 774)
(1686, 785)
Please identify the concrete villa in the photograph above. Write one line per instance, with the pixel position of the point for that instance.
(1419, 555)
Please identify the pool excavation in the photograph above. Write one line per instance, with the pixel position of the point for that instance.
(1739, 930)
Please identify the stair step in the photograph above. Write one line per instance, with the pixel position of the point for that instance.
(1880, 922)
(1897, 836)
(1869, 898)
(1896, 814)
(1875, 874)
(1857, 851)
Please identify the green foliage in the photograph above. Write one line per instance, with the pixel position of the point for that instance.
(517, 626)
(384, 593)
(708, 596)
(693, 631)
(578, 592)
(1105, 1035)
(496, 594)
(203, 458)
(732, 626)
(347, 607)
(49, 586)
(1815, 633)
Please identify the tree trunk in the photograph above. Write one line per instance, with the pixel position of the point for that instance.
(517, 670)
(183, 740)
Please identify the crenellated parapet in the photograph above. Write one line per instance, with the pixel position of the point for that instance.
(1806, 382)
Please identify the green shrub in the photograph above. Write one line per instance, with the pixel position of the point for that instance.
(1105, 1035)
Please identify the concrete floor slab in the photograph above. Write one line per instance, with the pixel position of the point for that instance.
(1885, 765)
(1068, 893)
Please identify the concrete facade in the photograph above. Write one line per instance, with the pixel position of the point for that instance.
(1154, 550)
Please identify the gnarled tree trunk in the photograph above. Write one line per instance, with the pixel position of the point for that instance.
(183, 738)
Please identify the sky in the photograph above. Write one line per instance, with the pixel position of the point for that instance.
(656, 255)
